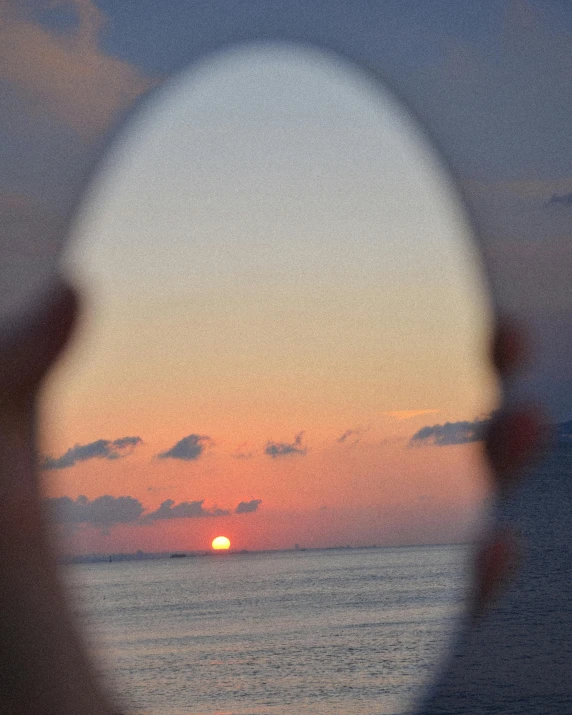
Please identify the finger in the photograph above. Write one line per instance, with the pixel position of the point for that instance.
(495, 564)
(28, 350)
(509, 349)
(512, 440)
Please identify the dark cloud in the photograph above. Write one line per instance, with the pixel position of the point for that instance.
(100, 449)
(247, 507)
(188, 449)
(560, 199)
(464, 432)
(347, 434)
(102, 512)
(183, 510)
(450, 433)
(157, 490)
(281, 449)
(242, 452)
(124, 442)
(353, 436)
(106, 511)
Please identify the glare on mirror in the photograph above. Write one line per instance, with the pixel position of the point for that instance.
(281, 361)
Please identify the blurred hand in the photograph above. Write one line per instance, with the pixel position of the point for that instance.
(44, 665)
(514, 437)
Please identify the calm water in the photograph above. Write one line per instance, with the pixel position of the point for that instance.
(315, 632)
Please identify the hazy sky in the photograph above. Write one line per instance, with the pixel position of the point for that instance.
(249, 275)
(280, 292)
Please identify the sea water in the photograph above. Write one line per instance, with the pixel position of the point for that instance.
(348, 631)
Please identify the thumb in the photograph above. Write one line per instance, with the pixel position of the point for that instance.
(28, 350)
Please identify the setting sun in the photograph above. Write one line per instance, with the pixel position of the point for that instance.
(221, 543)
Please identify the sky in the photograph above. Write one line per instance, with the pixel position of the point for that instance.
(273, 257)
(488, 79)
(280, 293)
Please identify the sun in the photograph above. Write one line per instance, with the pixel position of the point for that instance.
(221, 543)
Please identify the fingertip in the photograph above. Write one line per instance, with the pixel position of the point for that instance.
(61, 314)
(509, 348)
(30, 348)
(513, 439)
(496, 562)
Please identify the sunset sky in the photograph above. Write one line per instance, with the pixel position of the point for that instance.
(280, 215)
(279, 293)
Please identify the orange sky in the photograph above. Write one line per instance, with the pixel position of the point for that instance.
(292, 278)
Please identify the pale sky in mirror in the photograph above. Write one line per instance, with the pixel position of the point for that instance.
(273, 258)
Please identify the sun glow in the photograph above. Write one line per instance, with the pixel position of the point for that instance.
(221, 543)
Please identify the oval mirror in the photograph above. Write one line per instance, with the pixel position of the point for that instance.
(284, 318)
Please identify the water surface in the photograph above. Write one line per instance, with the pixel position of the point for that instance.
(283, 633)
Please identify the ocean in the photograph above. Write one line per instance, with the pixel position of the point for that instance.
(336, 632)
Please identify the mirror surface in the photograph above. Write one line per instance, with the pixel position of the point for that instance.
(282, 344)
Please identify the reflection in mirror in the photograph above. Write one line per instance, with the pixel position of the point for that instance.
(283, 340)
